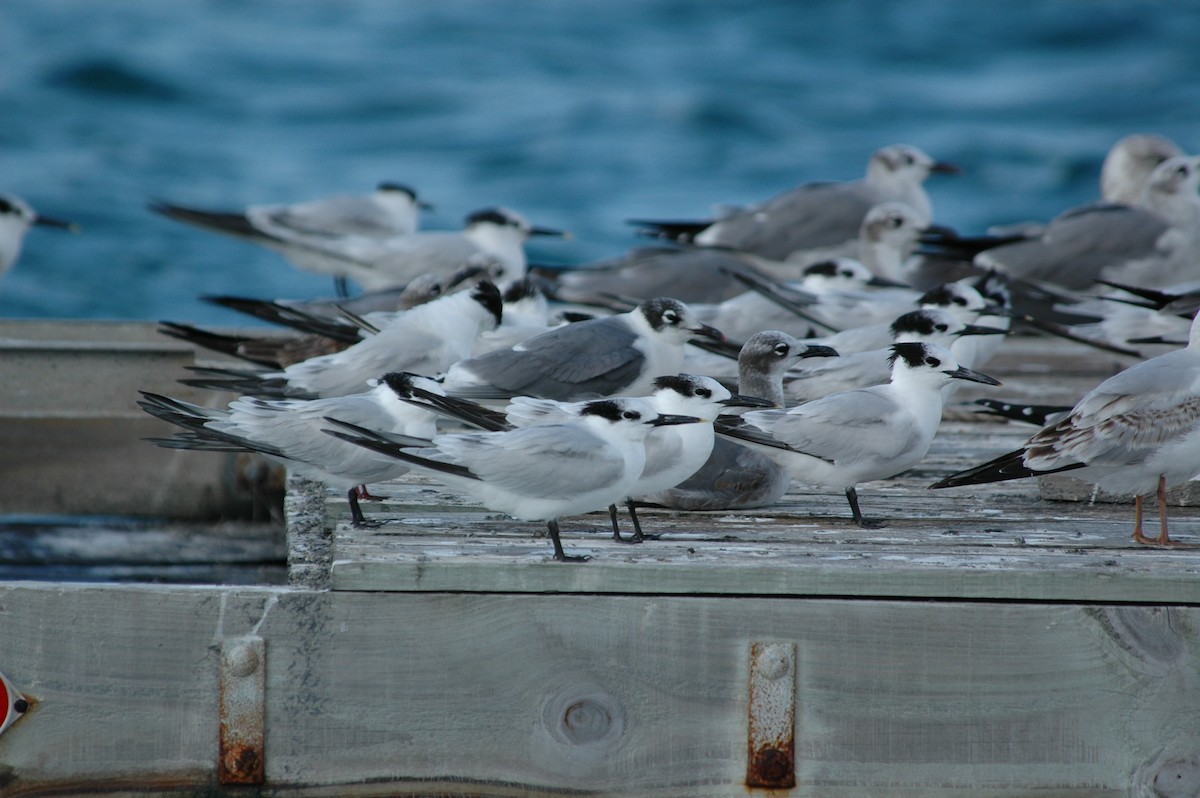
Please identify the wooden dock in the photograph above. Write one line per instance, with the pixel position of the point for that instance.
(986, 642)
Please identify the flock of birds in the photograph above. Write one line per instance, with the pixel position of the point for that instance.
(813, 337)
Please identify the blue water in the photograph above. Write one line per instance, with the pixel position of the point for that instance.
(579, 114)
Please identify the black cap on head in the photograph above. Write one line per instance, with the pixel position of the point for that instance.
(487, 294)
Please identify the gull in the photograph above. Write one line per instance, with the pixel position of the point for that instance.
(816, 220)
(1129, 164)
(16, 218)
(855, 436)
(537, 473)
(690, 274)
(614, 355)
(493, 238)
(304, 232)
(1152, 243)
(734, 476)
(425, 340)
(1137, 431)
(872, 366)
(290, 431)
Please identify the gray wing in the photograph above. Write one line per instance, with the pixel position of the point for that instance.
(1078, 245)
(689, 275)
(335, 216)
(1133, 412)
(584, 360)
(845, 427)
(550, 462)
(813, 216)
(398, 348)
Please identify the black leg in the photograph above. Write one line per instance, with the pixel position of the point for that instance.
(357, 518)
(852, 497)
(559, 554)
(612, 513)
(341, 287)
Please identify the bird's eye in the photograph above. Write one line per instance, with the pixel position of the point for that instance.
(5, 206)
(435, 290)
(782, 349)
(704, 393)
(847, 274)
(960, 301)
(1182, 170)
(908, 159)
(632, 415)
(894, 222)
(941, 327)
(932, 361)
(670, 317)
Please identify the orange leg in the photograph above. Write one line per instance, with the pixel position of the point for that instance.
(1137, 521)
(1164, 537)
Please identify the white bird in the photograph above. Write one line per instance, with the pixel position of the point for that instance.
(614, 355)
(846, 438)
(538, 473)
(873, 366)
(306, 233)
(734, 476)
(16, 219)
(672, 453)
(817, 220)
(1153, 243)
(426, 340)
(290, 431)
(1138, 431)
(321, 327)
(493, 238)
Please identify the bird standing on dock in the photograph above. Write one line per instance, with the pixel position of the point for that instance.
(538, 473)
(1137, 431)
(290, 431)
(16, 219)
(855, 436)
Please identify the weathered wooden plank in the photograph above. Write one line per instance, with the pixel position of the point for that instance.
(473, 695)
(1000, 541)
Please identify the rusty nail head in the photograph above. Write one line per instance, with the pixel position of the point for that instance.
(243, 711)
(771, 730)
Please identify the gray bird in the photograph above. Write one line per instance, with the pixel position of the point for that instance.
(817, 220)
(735, 477)
(614, 355)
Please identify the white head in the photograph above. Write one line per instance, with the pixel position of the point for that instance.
(401, 204)
(16, 217)
(1129, 163)
(931, 366)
